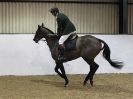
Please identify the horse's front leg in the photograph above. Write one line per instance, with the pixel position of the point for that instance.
(62, 74)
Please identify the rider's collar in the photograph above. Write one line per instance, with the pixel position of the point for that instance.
(56, 15)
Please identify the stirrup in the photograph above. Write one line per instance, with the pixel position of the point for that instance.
(60, 58)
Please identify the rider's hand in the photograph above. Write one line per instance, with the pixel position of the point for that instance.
(62, 46)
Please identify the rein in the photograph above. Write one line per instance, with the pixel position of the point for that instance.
(44, 41)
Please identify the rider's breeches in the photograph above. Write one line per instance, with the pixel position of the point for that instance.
(63, 38)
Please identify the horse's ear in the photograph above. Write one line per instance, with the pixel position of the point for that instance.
(42, 24)
(39, 26)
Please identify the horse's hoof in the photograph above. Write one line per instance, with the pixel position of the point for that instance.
(84, 83)
(91, 82)
(66, 85)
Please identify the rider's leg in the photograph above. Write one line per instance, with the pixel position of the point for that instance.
(61, 56)
(62, 39)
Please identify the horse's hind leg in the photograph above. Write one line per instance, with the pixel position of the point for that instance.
(93, 68)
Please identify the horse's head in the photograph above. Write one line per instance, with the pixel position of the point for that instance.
(40, 33)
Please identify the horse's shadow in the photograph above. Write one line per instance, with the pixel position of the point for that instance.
(112, 89)
(49, 82)
(60, 84)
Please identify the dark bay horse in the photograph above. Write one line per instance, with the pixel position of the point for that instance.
(87, 47)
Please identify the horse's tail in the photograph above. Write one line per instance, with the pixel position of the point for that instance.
(106, 55)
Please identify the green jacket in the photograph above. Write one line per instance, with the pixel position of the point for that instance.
(65, 26)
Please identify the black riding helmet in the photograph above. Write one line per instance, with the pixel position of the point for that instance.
(54, 9)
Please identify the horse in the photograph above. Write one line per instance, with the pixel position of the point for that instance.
(87, 47)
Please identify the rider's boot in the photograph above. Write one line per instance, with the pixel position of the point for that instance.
(61, 55)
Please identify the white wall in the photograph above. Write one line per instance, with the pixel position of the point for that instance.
(19, 55)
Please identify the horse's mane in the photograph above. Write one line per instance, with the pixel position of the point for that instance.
(49, 30)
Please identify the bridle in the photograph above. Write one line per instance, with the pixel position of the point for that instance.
(46, 36)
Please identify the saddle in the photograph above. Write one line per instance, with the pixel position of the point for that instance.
(70, 43)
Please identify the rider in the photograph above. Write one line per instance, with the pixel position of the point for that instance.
(64, 30)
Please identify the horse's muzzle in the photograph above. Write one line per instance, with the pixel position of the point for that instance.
(36, 41)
